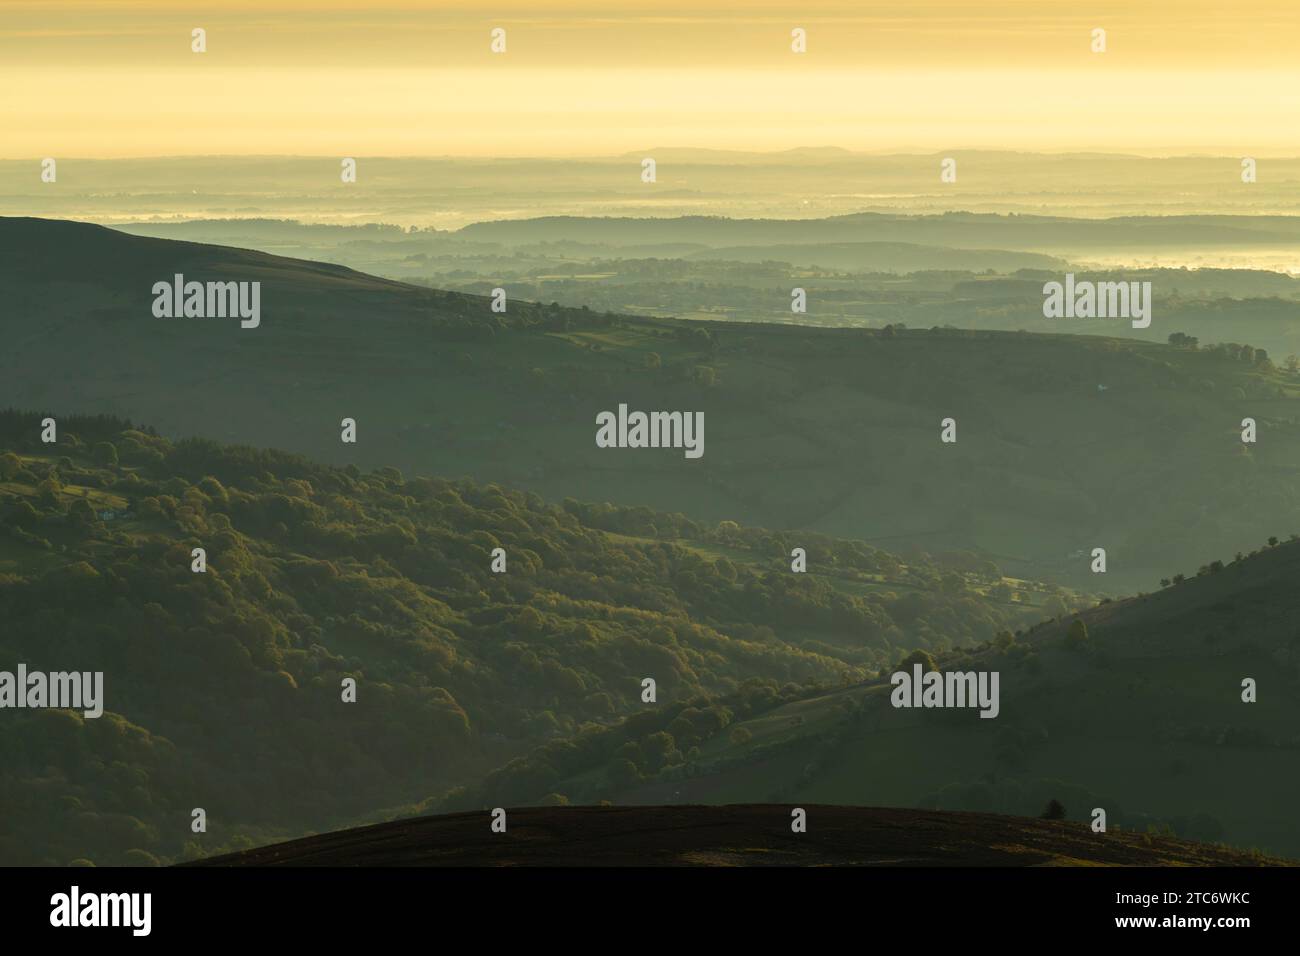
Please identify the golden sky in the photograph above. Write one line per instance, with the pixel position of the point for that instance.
(397, 77)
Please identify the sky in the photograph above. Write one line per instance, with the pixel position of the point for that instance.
(117, 78)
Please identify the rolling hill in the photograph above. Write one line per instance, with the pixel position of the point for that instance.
(226, 690)
(1064, 443)
(1142, 714)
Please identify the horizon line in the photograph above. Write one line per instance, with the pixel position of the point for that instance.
(1166, 152)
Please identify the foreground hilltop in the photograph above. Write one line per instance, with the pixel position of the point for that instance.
(741, 835)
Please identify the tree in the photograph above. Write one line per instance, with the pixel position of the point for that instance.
(624, 773)
(23, 515)
(1077, 635)
(924, 658)
(106, 453)
(47, 493)
(82, 512)
(1055, 809)
(10, 465)
(659, 750)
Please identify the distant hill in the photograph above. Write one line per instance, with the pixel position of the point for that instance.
(738, 835)
(885, 257)
(960, 230)
(785, 184)
(1140, 715)
(1065, 443)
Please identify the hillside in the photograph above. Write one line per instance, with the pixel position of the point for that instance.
(224, 689)
(1065, 443)
(735, 836)
(1141, 715)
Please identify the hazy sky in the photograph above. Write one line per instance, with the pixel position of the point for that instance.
(396, 77)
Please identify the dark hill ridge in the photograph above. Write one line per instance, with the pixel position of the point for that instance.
(1254, 601)
(1065, 442)
(54, 250)
(738, 835)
